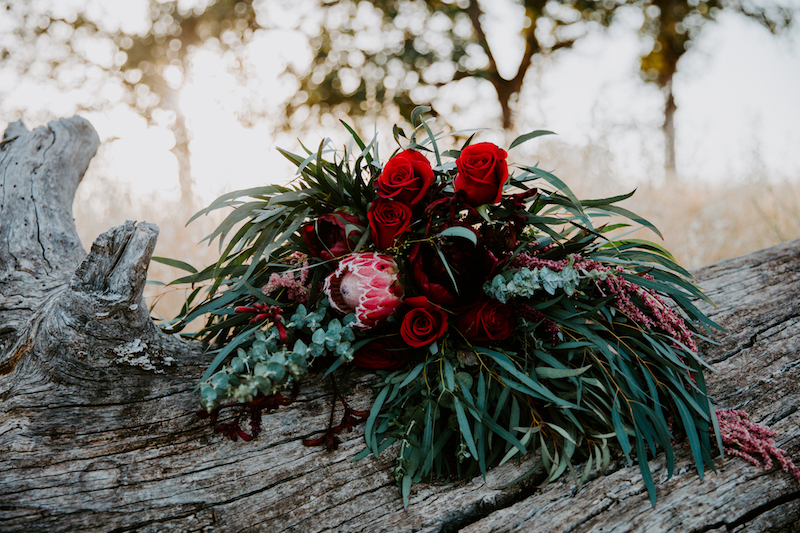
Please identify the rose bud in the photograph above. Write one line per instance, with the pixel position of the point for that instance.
(488, 320)
(381, 355)
(333, 234)
(423, 323)
(482, 171)
(406, 177)
(388, 220)
(367, 285)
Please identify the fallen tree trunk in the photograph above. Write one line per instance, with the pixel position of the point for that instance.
(98, 424)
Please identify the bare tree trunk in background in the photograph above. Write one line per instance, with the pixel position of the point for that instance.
(506, 89)
(98, 430)
(182, 153)
(668, 128)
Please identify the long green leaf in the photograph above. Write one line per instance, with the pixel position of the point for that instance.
(433, 143)
(369, 428)
(691, 432)
(557, 183)
(633, 216)
(175, 263)
(601, 202)
(546, 372)
(528, 136)
(647, 476)
(463, 424)
(223, 200)
(536, 388)
(619, 429)
(418, 112)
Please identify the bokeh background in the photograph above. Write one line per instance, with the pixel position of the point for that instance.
(695, 103)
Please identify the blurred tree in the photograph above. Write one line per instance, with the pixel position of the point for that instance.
(375, 53)
(81, 51)
(156, 62)
(367, 54)
(672, 26)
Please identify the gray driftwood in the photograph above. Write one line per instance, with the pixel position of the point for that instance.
(98, 430)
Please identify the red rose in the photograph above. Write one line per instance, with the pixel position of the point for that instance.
(488, 320)
(406, 178)
(381, 355)
(482, 171)
(470, 265)
(332, 234)
(423, 323)
(387, 221)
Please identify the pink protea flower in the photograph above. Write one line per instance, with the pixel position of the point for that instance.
(365, 284)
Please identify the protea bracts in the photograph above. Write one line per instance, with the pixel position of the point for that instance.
(367, 285)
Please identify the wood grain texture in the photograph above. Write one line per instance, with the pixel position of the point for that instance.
(98, 430)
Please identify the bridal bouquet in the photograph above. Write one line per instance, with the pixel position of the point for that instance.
(502, 315)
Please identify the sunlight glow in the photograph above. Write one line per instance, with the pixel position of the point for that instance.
(737, 95)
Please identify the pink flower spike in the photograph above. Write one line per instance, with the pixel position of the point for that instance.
(746, 439)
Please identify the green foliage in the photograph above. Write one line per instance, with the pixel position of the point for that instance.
(268, 365)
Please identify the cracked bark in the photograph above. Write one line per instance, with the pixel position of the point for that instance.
(98, 430)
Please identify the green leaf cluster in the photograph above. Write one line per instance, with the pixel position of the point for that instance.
(267, 366)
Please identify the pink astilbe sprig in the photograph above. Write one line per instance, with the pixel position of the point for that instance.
(661, 317)
(746, 439)
(294, 281)
(526, 260)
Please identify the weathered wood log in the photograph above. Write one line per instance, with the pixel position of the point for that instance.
(99, 432)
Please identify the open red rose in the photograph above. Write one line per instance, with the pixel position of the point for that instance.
(423, 323)
(406, 177)
(381, 355)
(488, 320)
(388, 220)
(333, 234)
(482, 171)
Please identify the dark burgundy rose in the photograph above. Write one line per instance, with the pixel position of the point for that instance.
(388, 220)
(502, 238)
(381, 355)
(470, 265)
(406, 177)
(333, 234)
(482, 171)
(487, 320)
(423, 323)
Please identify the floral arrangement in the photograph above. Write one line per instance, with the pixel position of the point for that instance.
(499, 317)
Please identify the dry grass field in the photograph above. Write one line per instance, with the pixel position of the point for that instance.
(701, 223)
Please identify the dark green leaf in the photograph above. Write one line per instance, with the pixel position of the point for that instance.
(690, 429)
(175, 263)
(369, 428)
(463, 424)
(418, 112)
(528, 136)
(647, 476)
(461, 232)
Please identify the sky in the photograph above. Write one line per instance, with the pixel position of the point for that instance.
(737, 90)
